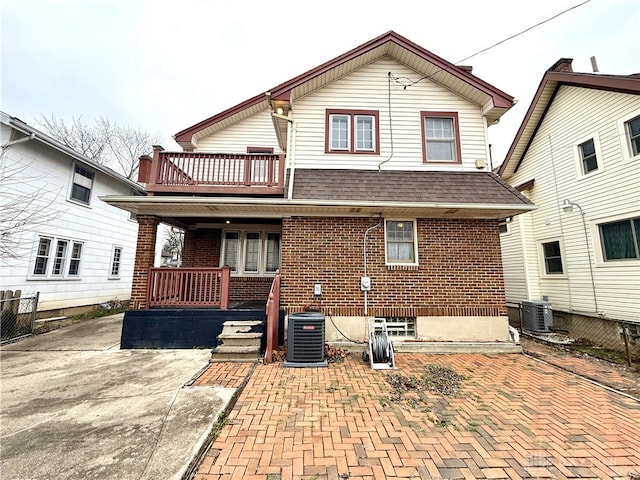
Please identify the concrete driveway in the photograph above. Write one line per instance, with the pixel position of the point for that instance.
(75, 406)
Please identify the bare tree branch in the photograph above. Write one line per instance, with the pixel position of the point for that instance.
(23, 212)
(104, 142)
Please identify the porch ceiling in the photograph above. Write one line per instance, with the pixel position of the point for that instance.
(192, 207)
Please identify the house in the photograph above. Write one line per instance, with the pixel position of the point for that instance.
(577, 157)
(366, 182)
(59, 238)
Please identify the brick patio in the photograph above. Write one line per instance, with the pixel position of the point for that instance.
(513, 417)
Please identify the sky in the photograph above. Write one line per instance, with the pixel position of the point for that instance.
(162, 66)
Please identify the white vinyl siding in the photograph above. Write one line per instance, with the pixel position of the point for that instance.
(367, 89)
(85, 269)
(254, 131)
(609, 194)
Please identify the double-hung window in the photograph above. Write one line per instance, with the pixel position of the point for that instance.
(552, 256)
(352, 131)
(82, 184)
(620, 240)
(57, 258)
(633, 131)
(116, 260)
(440, 137)
(588, 156)
(400, 242)
(251, 252)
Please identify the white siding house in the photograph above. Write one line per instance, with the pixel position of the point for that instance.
(59, 238)
(577, 148)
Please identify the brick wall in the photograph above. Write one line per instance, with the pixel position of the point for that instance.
(459, 271)
(250, 289)
(145, 253)
(202, 247)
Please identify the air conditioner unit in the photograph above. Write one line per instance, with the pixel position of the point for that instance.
(305, 340)
(537, 316)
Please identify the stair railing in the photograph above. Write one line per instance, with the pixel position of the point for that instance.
(273, 317)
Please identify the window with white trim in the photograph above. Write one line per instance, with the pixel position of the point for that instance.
(632, 128)
(620, 240)
(552, 257)
(57, 258)
(440, 137)
(351, 131)
(82, 185)
(400, 242)
(588, 157)
(116, 261)
(251, 252)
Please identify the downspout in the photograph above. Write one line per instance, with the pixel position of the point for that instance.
(291, 143)
(31, 136)
(292, 133)
(364, 250)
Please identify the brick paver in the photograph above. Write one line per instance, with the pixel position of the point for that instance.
(513, 417)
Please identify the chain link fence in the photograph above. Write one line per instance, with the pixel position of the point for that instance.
(612, 340)
(17, 315)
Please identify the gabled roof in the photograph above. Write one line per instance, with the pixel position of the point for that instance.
(37, 136)
(494, 102)
(547, 90)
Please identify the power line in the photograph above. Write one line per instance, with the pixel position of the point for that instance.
(397, 79)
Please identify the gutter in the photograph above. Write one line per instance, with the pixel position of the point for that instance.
(31, 136)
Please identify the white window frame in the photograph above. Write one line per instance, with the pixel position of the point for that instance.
(116, 263)
(600, 237)
(598, 247)
(543, 262)
(415, 241)
(623, 132)
(242, 246)
(82, 181)
(579, 160)
(506, 222)
(54, 261)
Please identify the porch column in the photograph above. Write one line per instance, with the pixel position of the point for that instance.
(145, 253)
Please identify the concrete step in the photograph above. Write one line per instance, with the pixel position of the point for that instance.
(239, 326)
(226, 353)
(241, 339)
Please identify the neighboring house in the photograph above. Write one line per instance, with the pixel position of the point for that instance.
(577, 157)
(65, 243)
(366, 181)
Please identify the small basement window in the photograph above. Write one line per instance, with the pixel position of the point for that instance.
(401, 326)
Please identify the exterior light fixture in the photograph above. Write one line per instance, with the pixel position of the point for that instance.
(279, 111)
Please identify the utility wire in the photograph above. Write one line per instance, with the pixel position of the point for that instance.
(492, 46)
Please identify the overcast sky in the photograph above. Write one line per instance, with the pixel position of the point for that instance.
(163, 66)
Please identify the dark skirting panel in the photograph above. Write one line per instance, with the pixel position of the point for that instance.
(184, 328)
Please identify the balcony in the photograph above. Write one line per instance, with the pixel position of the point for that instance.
(212, 173)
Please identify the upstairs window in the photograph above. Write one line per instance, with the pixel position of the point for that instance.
(588, 156)
(620, 240)
(351, 131)
(82, 185)
(440, 137)
(633, 131)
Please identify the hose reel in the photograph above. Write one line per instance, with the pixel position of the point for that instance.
(380, 347)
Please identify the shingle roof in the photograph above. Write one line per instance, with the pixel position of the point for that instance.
(405, 186)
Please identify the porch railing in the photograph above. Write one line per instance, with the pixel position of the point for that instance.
(189, 287)
(273, 316)
(189, 172)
